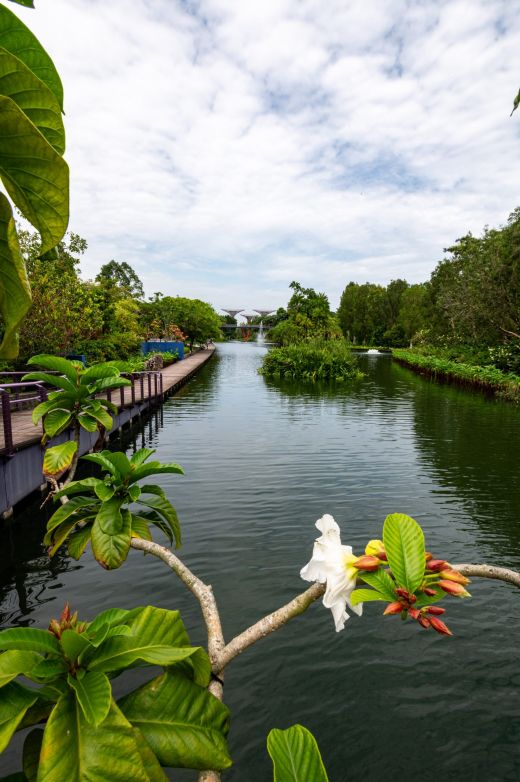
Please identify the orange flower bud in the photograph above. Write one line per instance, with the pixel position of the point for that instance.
(453, 589)
(65, 614)
(393, 608)
(439, 625)
(375, 548)
(424, 622)
(428, 555)
(435, 610)
(454, 575)
(414, 613)
(54, 628)
(430, 592)
(403, 593)
(366, 562)
(434, 565)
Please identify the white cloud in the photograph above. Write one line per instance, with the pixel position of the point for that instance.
(226, 148)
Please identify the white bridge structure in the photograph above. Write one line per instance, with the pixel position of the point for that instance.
(248, 325)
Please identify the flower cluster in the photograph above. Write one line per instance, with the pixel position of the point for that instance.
(401, 573)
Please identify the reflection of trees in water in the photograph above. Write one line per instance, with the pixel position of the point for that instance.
(25, 569)
(472, 445)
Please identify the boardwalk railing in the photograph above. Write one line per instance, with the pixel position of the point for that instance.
(145, 387)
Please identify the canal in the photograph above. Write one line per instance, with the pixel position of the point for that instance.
(263, 461)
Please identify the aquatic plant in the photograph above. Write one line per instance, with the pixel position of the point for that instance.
(329, 360)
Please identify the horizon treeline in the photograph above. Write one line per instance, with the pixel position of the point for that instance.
(472, 298)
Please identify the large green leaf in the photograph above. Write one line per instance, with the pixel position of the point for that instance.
(59, 458)
(183, 723)
(20, 41)
(110, 617)
(120, 462)
(50, 404)
(149, 760)
(15, 662)
(15, 292)
(112, 550)
(97, 372)
(109, 516)
(78, 541)
(56, 421)
(31, 754)
(380, 580)
(165, 508)
(102, 461)
(78, 487)
(141, 456)
(75, 751)
(14, 702)
(94, 695)
(34, 98)
(29, 639)
(65, 511)
(295, 756)
(404, 545)
(124, 651)
(365, 596)
(56, 364)
(35, 176)
(154, 468)
(52, 380)
(73, 644)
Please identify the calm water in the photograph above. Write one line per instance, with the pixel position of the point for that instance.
(263, 461)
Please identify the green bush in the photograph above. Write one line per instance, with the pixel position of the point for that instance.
(318, 360)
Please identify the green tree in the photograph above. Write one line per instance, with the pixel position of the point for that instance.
(32, 169)
(121, 275)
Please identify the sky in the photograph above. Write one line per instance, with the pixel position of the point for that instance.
(225, 148)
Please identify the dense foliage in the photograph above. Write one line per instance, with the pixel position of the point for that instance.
(308, 316)
(32, 169)
(470, 305)
(312, 360)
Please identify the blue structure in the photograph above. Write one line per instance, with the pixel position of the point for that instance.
(163, 347)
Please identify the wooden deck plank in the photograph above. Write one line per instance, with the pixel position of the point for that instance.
(25, 432)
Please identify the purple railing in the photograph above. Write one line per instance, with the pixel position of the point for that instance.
(14, 395)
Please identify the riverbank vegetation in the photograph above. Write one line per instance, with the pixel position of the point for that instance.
(463, 323)
(105, 319)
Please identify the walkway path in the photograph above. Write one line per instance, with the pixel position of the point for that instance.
(25, 432)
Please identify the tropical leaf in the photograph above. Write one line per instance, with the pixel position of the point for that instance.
(97, 372)
(14, 703)
(120, 462)
(31, 754)
(94, 695)
(102, 461)
(183, 723)
(166, 509)
(149, 760)
(44, 407)
(295, 756)
(20, 41)
(116, 654)
(111, 550)
(56, 421)
(381, 581)
(109, 516)
(404, 545)
(56, 364)
(154, 468)
(15, 291)
(52, 380)
(33, 97)
(366, 596)
(104, 492)
(140, 528)
(35, 176)
(47, 670)
(29, 639)
(141, 456)
(75, 751)
(110, 617)
(15, 662)
(64, 512)
(78, 541)
(102, 417)
(76, 487)
(73, 644)
(88, 422)
(108, 382)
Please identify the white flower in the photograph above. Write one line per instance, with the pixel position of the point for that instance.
(331, 563)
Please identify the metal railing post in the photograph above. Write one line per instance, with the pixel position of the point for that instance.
(8, 427)
(149, 386)
(133, 389)
(155, 386)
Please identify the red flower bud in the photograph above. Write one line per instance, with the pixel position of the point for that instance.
(453, 589)
(430, 592)
(402, 593)
(393, 608)
(434, 565)
(367, 562)
(414, 613)
(65, 614)
(428, 556)
(439, 625)
(424, 622)
(454, 575)
(436, 610)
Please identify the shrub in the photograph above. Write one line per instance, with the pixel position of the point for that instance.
(318, 360)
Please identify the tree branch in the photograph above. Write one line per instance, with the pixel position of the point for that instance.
(489, 571)
(269, 624)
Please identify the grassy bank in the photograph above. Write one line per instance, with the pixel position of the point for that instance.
(487, 378)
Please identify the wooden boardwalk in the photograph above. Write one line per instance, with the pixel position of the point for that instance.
(26, 433)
